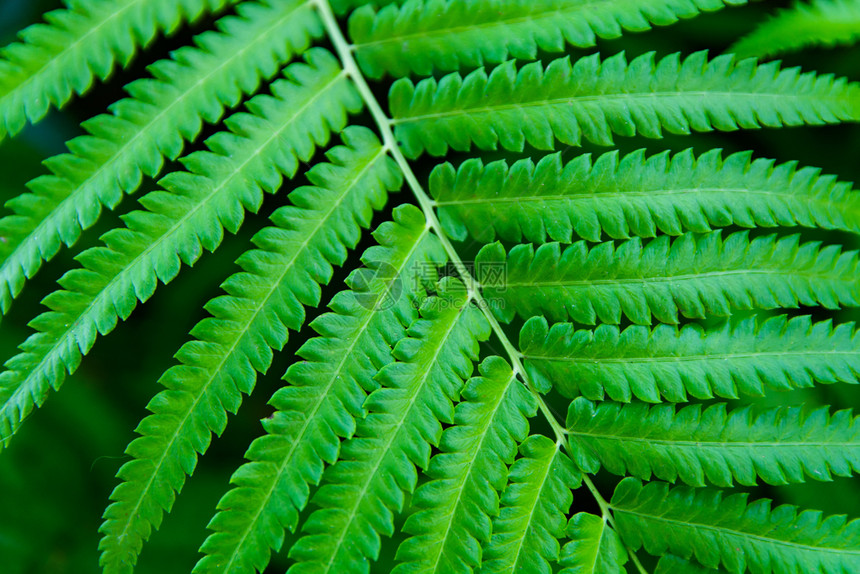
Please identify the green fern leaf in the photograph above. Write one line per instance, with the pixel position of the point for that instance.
(825, 23)
(632, 195)
(593, 100)
(57, 60)
(263, 301)
(427, 35)
(382, 437)
(453, 511)
(133, 141)
(324, 394)
(266, 145)
(594, 547)
(693, 276)
(534, 505)
(363, 490)
(718, 529)
(780, 445)
(745, 356)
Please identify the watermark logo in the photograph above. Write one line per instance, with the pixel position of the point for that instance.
(482, 274)
(380, 288)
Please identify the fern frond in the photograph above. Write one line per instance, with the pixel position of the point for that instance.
(634, 195)
(825, 23)
(324, 394)
(694, 276)
(133, 140)
(454, 509)
(718, 529)
(780, 445)
(592, 99)
(263, 301)
(427, 35)
(594, 548)
(376, 469)
(221, 184)
(534, 505)
(54, 61)
(745, 356)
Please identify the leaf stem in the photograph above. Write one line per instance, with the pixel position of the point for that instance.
(344, 51)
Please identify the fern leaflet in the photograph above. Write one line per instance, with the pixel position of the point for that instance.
(825, 23)
(635, 195)
(694, 276)
(780, 445)
(744, 356)
(427, 35)
(726, 530)
(592, 100)
(594, 548)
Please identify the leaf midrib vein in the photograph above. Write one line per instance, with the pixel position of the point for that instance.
(736, 533)
(453, 111)
(668, 278)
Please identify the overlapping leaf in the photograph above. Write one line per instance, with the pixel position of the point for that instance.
(263, 301)
(532, 515)
(377, 467)
(323, 396)
(454, 510)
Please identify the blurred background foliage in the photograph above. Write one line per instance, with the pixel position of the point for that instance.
(57, 474)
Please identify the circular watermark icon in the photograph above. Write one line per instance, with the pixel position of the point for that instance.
(378, 288)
